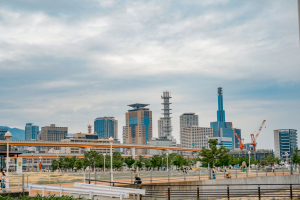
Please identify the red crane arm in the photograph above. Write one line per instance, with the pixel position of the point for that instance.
(230, 123)
(257, 134)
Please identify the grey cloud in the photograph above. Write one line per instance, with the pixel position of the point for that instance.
(68, 63)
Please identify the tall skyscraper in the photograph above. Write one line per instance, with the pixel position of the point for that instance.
(166, 131)
(106, 127)
(138, 129)
(187, 120)
(222, 128)
(285, 142)
(31, 131)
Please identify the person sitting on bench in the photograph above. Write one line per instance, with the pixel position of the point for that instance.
(137, 180)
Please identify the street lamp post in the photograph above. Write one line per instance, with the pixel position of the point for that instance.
(7, 136)
(167, 162)
(32, 161)
(104, 162)
(249, 152)
(111, 140)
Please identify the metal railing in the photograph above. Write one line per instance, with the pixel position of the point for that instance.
(174, 175)
(220, 191)
(14, 183)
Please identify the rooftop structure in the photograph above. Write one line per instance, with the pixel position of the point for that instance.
(138, 106)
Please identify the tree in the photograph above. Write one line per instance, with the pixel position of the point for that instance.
(117, 160)
(140, 162)
(179, 161)
(156, 161)
(107, 161)
(129, 161)
(54, 164)
(90, 158)
(295, 157)
(147, 163)
(72, 161)
(171, 158)
(213, 152)
(78, 163)
(100, 161)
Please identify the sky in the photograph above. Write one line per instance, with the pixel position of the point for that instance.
(69, 62)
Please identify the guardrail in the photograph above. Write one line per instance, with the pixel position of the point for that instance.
(80, 191)
(87, 189)
(111, 188)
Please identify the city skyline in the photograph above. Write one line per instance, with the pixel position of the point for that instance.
(69, 66)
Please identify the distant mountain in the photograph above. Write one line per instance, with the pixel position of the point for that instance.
(17, 134)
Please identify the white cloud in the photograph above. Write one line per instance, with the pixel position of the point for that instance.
(70, 67)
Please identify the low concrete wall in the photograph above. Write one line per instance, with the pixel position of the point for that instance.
(186, 186)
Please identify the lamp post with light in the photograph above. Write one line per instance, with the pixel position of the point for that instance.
(111, 140)
(32, 160)
(7, 136)
(104, 162)
(249, 152)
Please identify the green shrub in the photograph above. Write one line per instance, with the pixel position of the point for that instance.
(39, 197)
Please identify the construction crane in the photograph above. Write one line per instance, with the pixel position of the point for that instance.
(253, 139)
(241, 140)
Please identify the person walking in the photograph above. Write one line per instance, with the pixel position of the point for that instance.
(40, 166)
(3, 180)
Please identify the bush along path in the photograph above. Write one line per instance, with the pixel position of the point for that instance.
(39, 197)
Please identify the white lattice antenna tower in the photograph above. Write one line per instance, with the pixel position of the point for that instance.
(167, 126)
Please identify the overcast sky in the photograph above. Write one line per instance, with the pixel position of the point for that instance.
(68, 62)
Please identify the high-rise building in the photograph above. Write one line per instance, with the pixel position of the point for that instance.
(138, 129)
(53, 133)
(187, 120)
(195, 137)
(2, 133)
(160, 123)
(106, 127)
(31, 131)
(285, 142)
(222, 128)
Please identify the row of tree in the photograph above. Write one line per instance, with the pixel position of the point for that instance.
(94, 159)
(213, 156)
